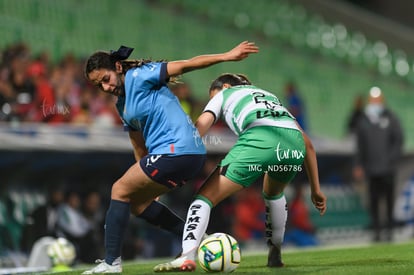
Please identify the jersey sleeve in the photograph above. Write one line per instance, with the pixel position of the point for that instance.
(214, 106)
(135, 128)
(151, 75)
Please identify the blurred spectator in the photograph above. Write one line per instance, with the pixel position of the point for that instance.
(83, 116)
(46, 108)
(73, 225)
(105, 115)
(300, 230)
(35, 90)
(11, 220)
(295, 105)
(95, 215)
(249, 216)
(357, 112)
(189, 104)
(379, 148)
(66, 82)
(16, 88)
(43, 220)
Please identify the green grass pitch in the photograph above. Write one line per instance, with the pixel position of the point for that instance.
(366, 260)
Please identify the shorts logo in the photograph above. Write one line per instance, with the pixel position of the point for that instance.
(152, 159)
(288, 153)
(238, 173)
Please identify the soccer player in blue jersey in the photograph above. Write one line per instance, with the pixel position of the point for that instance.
(167, 146)
(270, 144)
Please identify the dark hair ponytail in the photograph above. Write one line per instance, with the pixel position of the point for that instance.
(106, 60)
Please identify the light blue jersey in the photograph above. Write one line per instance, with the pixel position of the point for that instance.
(149, 106)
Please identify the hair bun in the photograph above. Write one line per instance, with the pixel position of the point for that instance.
(122, 53)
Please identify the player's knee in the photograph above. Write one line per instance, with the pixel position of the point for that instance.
(118, 192)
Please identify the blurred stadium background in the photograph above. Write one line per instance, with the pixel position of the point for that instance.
(332, 50)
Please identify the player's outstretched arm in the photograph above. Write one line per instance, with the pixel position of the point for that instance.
(238, 53)
(311, 166)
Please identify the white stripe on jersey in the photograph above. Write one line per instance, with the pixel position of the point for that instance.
(233, 100)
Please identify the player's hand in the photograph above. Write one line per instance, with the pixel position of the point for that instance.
(319, 201)
(242, 51)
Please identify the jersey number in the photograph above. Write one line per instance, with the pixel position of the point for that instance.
(271, 106)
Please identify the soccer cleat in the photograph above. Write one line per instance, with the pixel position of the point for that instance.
(103, 267)
(274, 258)
(181, 264)
(205, 236)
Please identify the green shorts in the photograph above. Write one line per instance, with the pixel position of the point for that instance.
(279, 152)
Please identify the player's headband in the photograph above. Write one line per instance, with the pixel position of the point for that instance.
(122, 53)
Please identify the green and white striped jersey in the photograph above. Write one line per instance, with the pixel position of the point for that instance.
(244, 107)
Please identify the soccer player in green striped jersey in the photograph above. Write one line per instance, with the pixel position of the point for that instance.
(270, 144)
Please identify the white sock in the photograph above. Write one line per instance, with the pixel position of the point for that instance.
(196, 224)
(276, 217)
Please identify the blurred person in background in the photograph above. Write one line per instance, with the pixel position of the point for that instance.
(185, 95)
(356, 113)
(249, 216)
(16, 88)
(73, 225)
(91, 208)
(83, 116)
(66, 81)
(295, 104)
(42, 221)
(46, 108)
(379, 144)
(300, 230)
(167, 147)
(106, 116)
(95, 109)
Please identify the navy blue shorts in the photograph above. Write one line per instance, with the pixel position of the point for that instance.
(172, 171)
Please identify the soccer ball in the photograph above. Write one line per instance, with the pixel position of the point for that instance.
(61, 252)
(219, 252)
